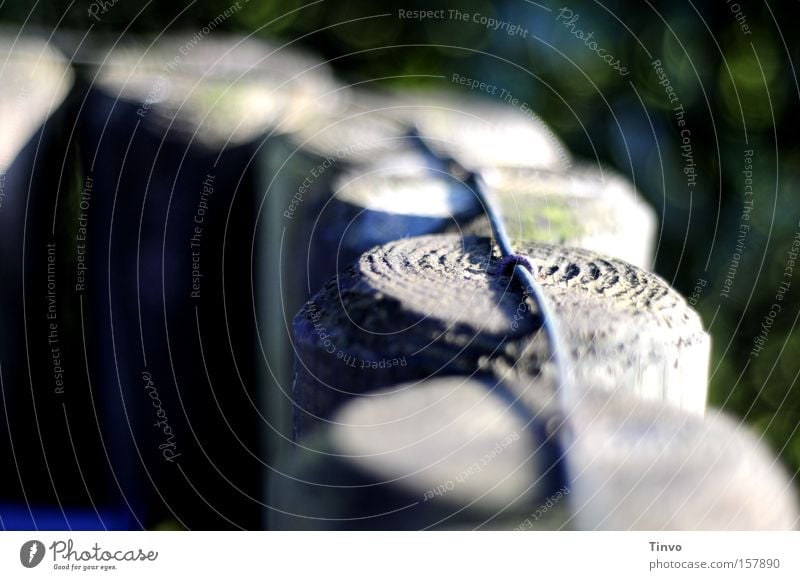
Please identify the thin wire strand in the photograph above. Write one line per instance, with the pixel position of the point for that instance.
(559, 351)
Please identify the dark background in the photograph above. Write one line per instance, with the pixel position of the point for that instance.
(740, 91)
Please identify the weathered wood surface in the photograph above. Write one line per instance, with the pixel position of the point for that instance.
(587, 206)
(221, 92)
(477, 132)
(461, 453)
(382, 189)
(351, 133)
(40, 393)
(584, 207)
(442, 453)
(371, 206)
(369, 127)
(636, 450)
(431, 305)
(315, 223)
(367, 135)
(171, 141)
(295, 179)
(639, 465)
(428, 436)
(36, 80)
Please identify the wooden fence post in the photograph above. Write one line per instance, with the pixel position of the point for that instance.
(294, 180)
(430, 304)
(638, 465)
(307, 207)
(477, 132)
(587, 206)
(456, 453)
(423, 391)
(440, 453)
(172, 135)
(635, 449)
(50, 444)
(584, 207)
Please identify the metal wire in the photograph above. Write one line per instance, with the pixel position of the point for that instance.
(522, 267)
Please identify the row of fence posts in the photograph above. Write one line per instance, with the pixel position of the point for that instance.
(236, 296)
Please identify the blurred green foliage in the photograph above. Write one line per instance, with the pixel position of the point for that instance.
(738, 87)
